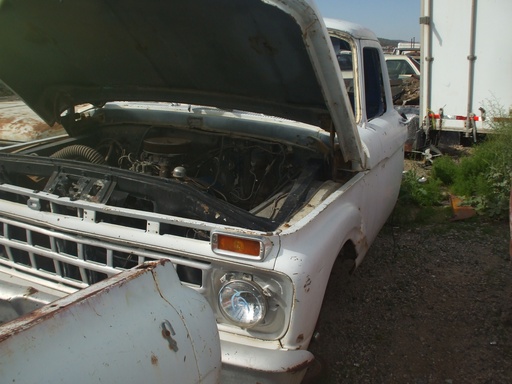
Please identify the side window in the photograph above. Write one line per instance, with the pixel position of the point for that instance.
(344, 55)
(373, 83)
(408, 70)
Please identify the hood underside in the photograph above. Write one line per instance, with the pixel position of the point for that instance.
(249, 55)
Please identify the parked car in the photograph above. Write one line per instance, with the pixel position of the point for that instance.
(216, 134)
(404, 77)
(402, 66)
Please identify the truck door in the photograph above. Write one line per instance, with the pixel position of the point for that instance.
(380, 125)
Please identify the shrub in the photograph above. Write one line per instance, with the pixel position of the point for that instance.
(444, 169)
(425, 194)
(484, 178)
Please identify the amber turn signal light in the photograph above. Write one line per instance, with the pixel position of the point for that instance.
(238, 245)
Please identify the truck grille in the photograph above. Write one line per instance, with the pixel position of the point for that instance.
(77, 261)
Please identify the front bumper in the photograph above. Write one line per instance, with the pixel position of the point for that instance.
(249, 364)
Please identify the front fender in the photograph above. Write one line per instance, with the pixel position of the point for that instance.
(307, 256)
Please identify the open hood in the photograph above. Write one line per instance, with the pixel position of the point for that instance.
(267, 56)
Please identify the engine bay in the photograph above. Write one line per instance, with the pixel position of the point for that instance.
(218, 177)
(241, 172)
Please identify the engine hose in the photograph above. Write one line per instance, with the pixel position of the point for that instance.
(76, 152)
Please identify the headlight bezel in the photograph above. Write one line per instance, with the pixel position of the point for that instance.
(278, 290)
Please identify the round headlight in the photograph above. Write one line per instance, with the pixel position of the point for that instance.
(242, 303)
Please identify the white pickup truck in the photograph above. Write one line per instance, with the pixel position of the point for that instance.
(251, 143)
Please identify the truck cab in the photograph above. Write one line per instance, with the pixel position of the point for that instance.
(237, 143)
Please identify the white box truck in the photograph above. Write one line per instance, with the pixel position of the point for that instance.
(466, 61)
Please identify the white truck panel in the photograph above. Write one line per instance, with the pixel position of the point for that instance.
(447, 84)
(140, 326)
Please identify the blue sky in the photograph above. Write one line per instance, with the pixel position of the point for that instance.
(390, 19)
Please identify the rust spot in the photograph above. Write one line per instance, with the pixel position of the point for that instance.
(40, 127)
(300, 367)
(5, 121)
(150, 265)
(26, 128)
(154, 359)
(205, 208)
(31, 291)
(168, 333)
(300, 338)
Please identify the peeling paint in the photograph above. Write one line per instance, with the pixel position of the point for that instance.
(308, 284)
(20, 123)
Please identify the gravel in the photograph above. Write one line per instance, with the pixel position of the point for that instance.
(431, 303)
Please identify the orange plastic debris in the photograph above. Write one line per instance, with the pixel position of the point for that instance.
(460, 212)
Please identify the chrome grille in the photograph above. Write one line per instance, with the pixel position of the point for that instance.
(78, 261)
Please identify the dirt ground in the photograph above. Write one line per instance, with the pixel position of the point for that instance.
(431, 303)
